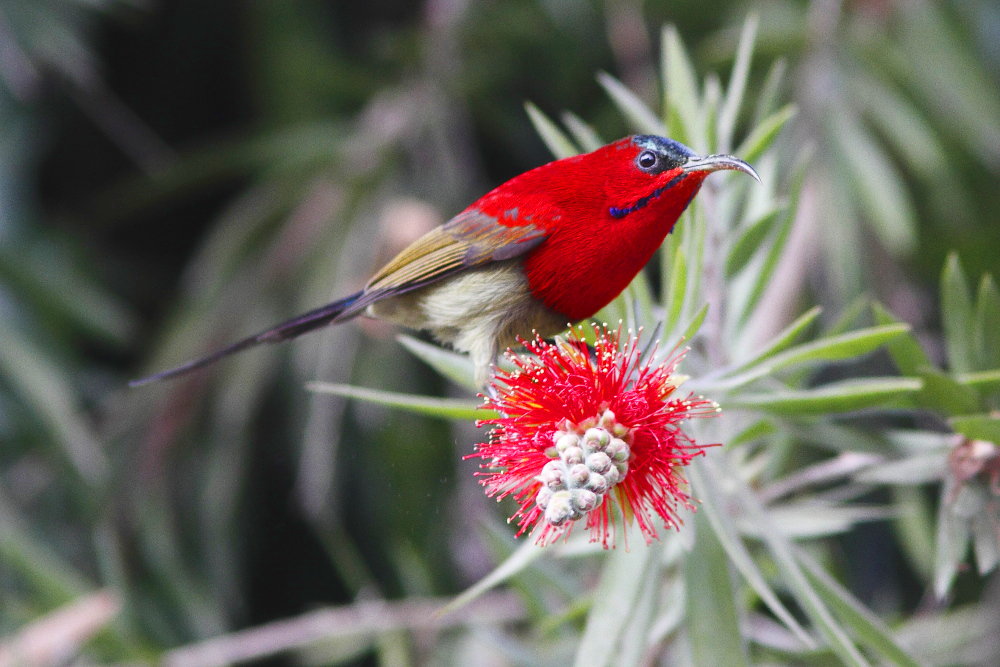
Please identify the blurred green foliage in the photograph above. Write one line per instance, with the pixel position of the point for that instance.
(176, 174)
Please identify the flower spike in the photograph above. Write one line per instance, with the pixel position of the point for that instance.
(582, 429)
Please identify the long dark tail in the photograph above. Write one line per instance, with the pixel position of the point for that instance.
(341, 310)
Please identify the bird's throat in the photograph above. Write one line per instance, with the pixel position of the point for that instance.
(642, 202)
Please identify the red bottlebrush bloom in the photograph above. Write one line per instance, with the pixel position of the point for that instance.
(579, 429)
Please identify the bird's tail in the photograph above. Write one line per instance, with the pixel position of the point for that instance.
(340, 310)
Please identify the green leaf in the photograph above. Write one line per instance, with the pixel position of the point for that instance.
(713, 619)
(866, 625)
(622, 583)
(985, 544)
(783, 339)
(452, 365)
(759, 429)
(714, 504)
(945, 395)
(843, 346)
(763, 134)
(809, 520)
(427, 405)
(768, 94)
(783, 552)
(636, 112)
(46, 388)
(749, 240)
(987, 380)
(675, 290)
(692, 329)
(904, 350)
(986, 332)
(877, 184)
(680, 91)
(912, 470)
(555, 139)
(776, 249)
(525, 555)
(952, 540)
(843, 396)
(901, 123)
(957, 317)
(831, 348)
(585, 135)
(978, 427)
(737, 84)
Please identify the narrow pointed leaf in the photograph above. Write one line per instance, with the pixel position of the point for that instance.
(692, 329)
(676, 290)
(776, 249)
(783, 552)
(636, 112)
(985, 380)
(749, 241)
(680, 90)
(622, 583)
(978, 427)
(845, 396)
(904, 350)
(555, 139)
(525, 555)
(866, 625)
(427, 405)
(713, 619)
(713, 504)
(986, 331)
(763, 134)
(943, 394)
(769, 93)
(585, 135)
(785, 337)
(452, 365)
(952, 541)
(737, 85)
(875, 181)
(957, 316)
(824, 350)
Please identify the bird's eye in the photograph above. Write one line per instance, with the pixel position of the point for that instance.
(647, 160)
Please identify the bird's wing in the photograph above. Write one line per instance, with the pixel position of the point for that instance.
(469, 239)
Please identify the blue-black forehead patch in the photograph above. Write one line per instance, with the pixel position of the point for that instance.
(664, 146)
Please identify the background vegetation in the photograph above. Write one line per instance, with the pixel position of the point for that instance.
(176, 174)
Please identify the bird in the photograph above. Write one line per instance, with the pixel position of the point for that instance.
(548, 248)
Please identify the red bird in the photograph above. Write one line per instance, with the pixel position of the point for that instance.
(547, 248)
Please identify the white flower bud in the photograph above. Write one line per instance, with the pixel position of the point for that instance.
(553, 475)
(584, 500)
(560, 508)
(598, 483)
(573, 455)
(578, 475)
(613, 476)
(543, 497)
(596, 438)
(599, 462)
(566, 440)
(618, 450)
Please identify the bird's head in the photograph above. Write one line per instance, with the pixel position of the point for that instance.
(649, 171)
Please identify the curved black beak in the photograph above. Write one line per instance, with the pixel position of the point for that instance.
(718, 163)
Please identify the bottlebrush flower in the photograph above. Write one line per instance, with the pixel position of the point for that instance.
(579, 430)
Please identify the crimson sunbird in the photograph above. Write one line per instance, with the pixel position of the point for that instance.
(543, 250)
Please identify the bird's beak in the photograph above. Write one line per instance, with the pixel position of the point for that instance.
(719, 162)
